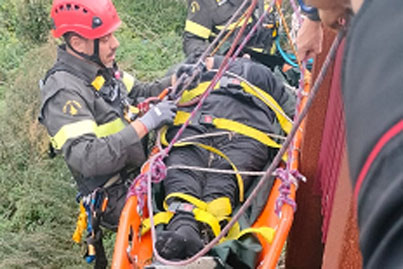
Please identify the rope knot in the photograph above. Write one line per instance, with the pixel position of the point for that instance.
(156, 172)
(287, 178)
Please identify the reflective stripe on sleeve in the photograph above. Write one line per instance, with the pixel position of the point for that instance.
(77, 129)
(197, 29)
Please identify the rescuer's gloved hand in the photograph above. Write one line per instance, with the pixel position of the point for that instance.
(188, 70)
(158, 115)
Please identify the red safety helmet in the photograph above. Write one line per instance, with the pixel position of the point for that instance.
(90, 19)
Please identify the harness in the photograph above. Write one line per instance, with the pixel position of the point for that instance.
(215, 212)
(228, 124)
(210, 213)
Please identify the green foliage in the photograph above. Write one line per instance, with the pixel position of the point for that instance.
(33, 20)
(153, 18)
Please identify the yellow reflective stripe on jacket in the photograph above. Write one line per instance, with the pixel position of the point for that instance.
(80, 128)
(197, 29)
(128, 80)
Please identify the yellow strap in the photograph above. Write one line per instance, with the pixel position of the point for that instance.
(220, 207)
(235, 24)
(233, 126)
(266, 98)
(186, 197)
(210, 213)
(209, 219)
(188, 95)
(80, 128)
(285, 123)
(266, 232)
(81, 225)
(159, 218)
(128, 81)
(233, 232)
(98, 82)
(197, 29)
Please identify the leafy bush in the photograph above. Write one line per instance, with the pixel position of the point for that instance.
(33, 20)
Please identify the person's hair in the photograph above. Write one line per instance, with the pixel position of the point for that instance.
(68, 35)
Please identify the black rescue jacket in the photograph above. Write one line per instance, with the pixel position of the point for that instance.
(373, 98)
(206, 18)
(82, 110)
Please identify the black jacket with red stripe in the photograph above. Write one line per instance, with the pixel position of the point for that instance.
(373, 98)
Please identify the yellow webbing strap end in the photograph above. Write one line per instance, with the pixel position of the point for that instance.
(81, 225)
(188, 95)
(266, 232)
(220, 207)
(98, 82)
(159, 218)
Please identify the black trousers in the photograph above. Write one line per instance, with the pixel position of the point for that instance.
(247, 154)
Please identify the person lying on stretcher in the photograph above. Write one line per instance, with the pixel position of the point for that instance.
(248, 105)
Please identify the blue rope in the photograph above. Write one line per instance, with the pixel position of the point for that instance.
(289, 58)
(305, 8)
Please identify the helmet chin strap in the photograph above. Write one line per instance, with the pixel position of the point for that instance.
(95, 55)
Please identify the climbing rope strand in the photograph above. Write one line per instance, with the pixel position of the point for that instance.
(219, 171)
(289, 171)
(230, 134)
(228, 34)
(287, 30)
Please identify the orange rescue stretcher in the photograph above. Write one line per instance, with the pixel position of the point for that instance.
(133, 250)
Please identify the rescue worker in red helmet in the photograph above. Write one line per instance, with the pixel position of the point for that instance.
(87, 105)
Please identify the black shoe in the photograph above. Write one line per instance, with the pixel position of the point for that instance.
(170, 245)
(180, 244)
